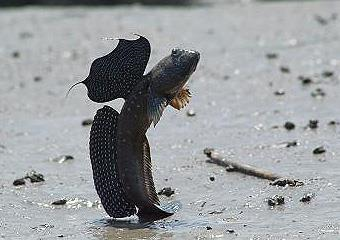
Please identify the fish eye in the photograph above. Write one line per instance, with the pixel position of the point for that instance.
(175, 52)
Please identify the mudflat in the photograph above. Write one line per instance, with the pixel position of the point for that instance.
(265, 93)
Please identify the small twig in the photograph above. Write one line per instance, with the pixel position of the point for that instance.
(279, 180)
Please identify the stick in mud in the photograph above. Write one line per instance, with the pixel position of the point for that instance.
(278, 180)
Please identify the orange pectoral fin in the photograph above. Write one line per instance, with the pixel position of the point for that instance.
(181, 99)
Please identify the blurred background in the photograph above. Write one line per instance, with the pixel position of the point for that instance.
(265, 92)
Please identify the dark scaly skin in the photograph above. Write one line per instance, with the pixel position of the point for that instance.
(134, 121)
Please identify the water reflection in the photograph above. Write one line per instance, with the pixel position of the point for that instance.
(129, 228)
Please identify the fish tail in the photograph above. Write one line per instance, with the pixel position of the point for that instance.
(155, 212)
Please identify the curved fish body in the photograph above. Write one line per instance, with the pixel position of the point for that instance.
(144, 106)
(119, 149)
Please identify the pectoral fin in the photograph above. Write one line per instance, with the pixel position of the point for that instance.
(181, 99)
(156, 106)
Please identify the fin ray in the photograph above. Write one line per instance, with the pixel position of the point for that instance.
(181, 99)
(156, 106)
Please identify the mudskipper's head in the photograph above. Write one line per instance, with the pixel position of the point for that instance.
(167, 80)
(172, 72)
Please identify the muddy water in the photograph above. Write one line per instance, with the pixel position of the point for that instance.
(236, 110)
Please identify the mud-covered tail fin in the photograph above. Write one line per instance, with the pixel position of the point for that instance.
(117, 73)
(181, 99)
(155, 107)
(104, 166)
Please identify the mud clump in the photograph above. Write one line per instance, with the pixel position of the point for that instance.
(167, 191)
(307, 197)
(272, 55)
(279, 92)
(37, 79)
(18, 182)
(276, 200)
(327, 74)
(284, 69)
(318, 93)
(305, 80)
(289, 125)
(15, 54)
(33, 176)
(282, 182)
(313, 124)
(291, 144)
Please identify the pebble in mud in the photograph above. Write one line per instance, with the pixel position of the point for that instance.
(87, 122)
(307, 197)
(305, 80)
(291, 144)
(16, 54)
(37, 79)
(318, 93)
(34, 177)
(272, 55)
(333, 123)
(167, 191)
(279, 92)
(191, 113)
(289, 125)
(18, 182)
(284, 69)
(276, 200)
(319, 150)
(62, 158)
(212, 179)
(59, 202)
(327, 74)
(313, 124)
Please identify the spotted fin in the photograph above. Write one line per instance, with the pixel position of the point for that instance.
(181, 99)
(104, 166)
(117, 73)
(156, 106)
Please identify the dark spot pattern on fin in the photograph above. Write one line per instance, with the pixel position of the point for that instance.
(104, 166)
(181, 99)
(117, 73)
(155, 108)
(147, 173)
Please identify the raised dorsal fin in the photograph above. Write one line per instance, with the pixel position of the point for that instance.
(147, 173)
(117, 73)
